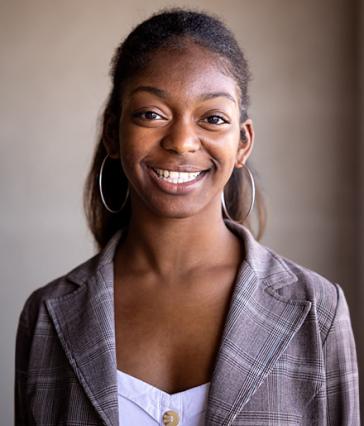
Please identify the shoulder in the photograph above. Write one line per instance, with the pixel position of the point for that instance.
(58, 287)
(293, 283)
(283, 275)
(327, 299)
(78, 277)
(307, 285)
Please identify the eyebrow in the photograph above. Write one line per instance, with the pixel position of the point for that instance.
(164, 95)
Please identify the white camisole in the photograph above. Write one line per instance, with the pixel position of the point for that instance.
(140, 403)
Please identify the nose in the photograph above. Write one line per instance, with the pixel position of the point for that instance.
(181, 138)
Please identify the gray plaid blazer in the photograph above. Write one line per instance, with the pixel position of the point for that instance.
(287, 355)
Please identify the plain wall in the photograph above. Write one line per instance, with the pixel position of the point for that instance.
(54, 81)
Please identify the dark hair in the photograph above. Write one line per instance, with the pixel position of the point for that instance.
(167, 29)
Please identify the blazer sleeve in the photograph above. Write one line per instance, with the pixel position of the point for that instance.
(22, 352)
(337, 402)
(342, 384)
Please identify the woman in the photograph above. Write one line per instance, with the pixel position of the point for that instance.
(183, 317)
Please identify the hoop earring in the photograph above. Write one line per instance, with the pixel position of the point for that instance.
(102, 195)
(224, 209)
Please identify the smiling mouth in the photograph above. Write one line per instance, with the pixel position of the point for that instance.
(176, 177)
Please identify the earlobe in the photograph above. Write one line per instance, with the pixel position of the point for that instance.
(240, 159)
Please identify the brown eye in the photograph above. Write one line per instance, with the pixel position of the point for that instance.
(148, 115)
(215, 119)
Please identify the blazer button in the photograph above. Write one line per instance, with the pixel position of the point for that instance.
(171, 418)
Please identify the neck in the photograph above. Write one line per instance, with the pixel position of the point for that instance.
(169, 246)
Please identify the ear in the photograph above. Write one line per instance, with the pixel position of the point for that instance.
(245, 144)
(110, 135)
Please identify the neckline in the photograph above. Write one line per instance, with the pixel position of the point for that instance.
(140, 382)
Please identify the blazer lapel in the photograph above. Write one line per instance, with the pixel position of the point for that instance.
(259, 326)
(84, 322)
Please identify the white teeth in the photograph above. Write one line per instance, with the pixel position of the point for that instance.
(176, 177)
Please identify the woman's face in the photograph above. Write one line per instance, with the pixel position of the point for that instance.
(180, 133)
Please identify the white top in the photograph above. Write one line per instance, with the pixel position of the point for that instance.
(140, 403)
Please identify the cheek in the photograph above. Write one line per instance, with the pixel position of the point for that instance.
(130, 153)
(130, 159)
(224, 149)
(132, 146)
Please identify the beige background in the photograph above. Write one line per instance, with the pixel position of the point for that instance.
(304, 55)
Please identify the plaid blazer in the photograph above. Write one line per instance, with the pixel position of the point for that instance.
(287, 355)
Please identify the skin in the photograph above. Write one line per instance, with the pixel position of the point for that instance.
(172, 285)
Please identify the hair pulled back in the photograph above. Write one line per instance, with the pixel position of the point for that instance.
(169, 29)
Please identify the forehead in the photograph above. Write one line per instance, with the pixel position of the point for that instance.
(186, 71)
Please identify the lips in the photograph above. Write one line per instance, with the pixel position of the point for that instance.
(174, 167)
(176, 176)
(178, 180)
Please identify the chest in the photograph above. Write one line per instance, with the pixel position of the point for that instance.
(169, 338)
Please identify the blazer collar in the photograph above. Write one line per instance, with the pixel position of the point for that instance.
(259, 326)
(84, 322)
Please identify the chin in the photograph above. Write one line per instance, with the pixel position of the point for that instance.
(173, 213)
(173, 208)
